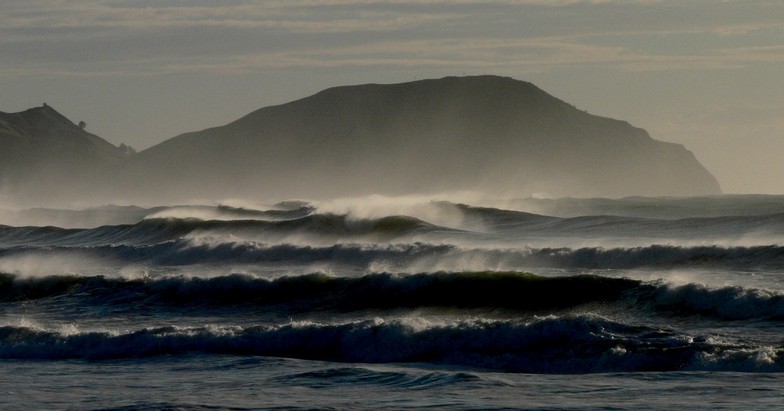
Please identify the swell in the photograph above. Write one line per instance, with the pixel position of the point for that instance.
(157, 230)
(419, 256)
(592, 225)
(729, 303)
(494, 290)
(282, 211)
(303, 221)
(658, 207)
(485, 291)
(206, 251)
(395, 379)
(570, 344)
(658, 256)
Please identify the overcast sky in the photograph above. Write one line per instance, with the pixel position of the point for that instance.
(708, 74)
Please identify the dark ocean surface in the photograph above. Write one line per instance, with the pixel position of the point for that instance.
(635, 303)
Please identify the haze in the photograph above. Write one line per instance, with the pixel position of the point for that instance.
(700, 73)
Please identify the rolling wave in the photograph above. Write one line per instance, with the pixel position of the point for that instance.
(731, 303)
(660, 256)
(301, 220)
(407, 257)
(329, 227)
(569, 344)
(484, 291)
(592, 225)
(450, 281)
(520, 291)
(282, 211)
(656, 207)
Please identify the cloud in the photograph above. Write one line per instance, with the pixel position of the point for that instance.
(118, 37)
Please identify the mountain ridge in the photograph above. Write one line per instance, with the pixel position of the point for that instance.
(44, 154)
(383, 138)
(490, 134)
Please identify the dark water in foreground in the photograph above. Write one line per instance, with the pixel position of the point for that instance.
(615, 304)
(232, 382)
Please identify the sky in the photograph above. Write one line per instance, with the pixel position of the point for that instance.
(708, 74)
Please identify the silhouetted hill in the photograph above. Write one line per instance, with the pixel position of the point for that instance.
(490, 134)
(487, 133)
(44, 155)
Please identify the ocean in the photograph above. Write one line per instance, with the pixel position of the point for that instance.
(396, 303)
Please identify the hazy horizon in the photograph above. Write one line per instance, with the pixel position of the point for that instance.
(698, 73)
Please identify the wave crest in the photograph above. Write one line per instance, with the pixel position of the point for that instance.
(483, 291)
(572, 344)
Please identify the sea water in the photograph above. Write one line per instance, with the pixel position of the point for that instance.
(638, 303)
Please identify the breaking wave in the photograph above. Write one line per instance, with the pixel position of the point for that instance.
(413, 256)
(304, 221)
(569, 344)
(484, 291)
(449, 283)
(156, 230)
